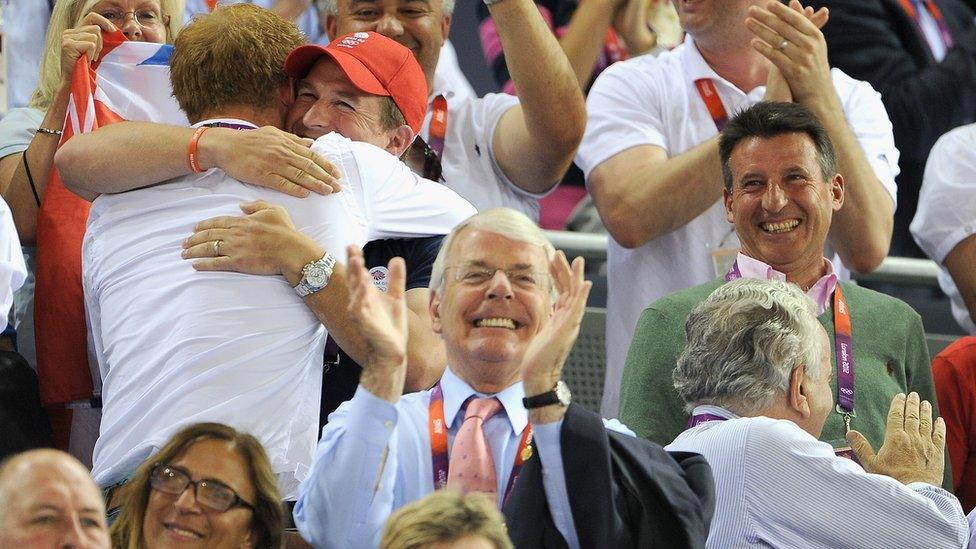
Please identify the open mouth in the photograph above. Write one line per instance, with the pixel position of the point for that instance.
(497, 322)
(780, 226)
(182, 532)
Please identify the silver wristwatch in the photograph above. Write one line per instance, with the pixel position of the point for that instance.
(315, 275)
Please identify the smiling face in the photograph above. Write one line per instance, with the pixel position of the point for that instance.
(181, 521)
(52, 502)
(139, 20)
(326, 101)
(780, 203)
(420, 25)
(487, 320)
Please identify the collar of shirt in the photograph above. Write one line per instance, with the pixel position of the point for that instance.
(456, 391)
(441, 87)
(820, 292)
(713, 410)
(697, 68)
(225, 121)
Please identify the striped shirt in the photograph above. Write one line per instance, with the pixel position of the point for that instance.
(778, 486)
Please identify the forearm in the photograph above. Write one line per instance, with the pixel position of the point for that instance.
(534, 142)
(583, 40)
(17, 190)
(642, 180)
(861, 231)
(961, 263)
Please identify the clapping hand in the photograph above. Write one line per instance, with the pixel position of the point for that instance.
(914, 446)
(790, 37)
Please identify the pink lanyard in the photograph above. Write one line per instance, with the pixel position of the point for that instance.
(438, 444)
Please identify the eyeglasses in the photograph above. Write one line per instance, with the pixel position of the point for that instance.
(209, 493)
(146, 17)
(476, 275)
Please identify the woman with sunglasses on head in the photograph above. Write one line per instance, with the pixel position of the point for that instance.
(209, 486)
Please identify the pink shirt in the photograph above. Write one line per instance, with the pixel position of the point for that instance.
(820, 292)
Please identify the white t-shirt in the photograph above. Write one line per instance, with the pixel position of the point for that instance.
(653, 101)
(176, 346)
(13, 271)
(469, 166)
(946, 213)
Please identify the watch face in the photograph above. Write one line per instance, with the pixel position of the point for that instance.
(316, 276)
(563, 394)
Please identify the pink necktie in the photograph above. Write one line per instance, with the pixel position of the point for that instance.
(471, 468)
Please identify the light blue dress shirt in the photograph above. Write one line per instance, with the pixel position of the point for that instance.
(375, 457)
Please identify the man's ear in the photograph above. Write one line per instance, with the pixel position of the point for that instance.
(434, 306)
(727, 199)
(400, 140)
(446, 25)
(798, 391)
(287, 92)
(837, 192)
(332, 25)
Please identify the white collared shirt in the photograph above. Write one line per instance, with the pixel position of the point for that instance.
(375, 457)
(13, 271)
(778, 486)
(176, 346)
(469, 165)
(820, 292)
(946, 213)
(653, 101)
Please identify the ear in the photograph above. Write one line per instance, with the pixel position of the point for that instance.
(727, 198)
(400, 140)
(837, 192)
(332, 25)
(798, 390)
(445, 25)
(287, 92)
(434, 307)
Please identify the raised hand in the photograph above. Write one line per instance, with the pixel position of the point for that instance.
(262, 242)
(631, 22)
(914, 446)
(86, 38)
(269, 157)
(382, 320)
(542, 364)
(790, 37)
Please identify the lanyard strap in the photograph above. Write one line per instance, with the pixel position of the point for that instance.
(843, 347)
(698, 419)
(230, 125)
(438, 126)
(211, 5)
(709, 95)
(936, 14)
(614, 48)
(438, 444)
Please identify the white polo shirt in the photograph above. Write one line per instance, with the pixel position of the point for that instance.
(946, 213)
(468, 163)
(653, 101)
(176, 346)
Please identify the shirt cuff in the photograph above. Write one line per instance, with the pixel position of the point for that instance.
(371, 418)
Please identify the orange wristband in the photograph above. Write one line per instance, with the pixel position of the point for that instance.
(191, 150)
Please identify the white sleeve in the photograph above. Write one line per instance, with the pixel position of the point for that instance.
(624, 109)
(800, 494)
(868, 119)
(946, 212)
(13, 271)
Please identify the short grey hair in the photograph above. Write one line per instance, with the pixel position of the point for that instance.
(502, 221)
(329, 6)
(744, 341)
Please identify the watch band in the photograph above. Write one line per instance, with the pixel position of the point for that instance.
(315, 275)
(558, 395)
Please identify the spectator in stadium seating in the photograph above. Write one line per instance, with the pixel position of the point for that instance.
(782, 192)
(921, 56)
(301, 12)
(756, 376)
(651, 161)
(496, 150)
(493, 286)
(209, 485)
(48, 500)
(954, 372)
(446, 520)
(29, 137)
(945, 223)
(246, 351)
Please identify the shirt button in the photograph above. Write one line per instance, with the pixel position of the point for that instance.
(388, 424)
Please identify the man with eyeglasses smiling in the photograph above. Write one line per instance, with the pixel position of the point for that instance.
(508, 307)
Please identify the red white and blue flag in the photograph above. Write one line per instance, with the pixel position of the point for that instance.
(129, 81)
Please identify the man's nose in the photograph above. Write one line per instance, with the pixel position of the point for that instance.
(499, 285)
(390, 26)
(73, 534)
(319, 117)
(774, 199)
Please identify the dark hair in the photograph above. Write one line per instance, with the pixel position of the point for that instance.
(267, 521)
(772, 118)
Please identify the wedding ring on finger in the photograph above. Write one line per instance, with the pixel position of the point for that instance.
(783, 44)
(216, 248)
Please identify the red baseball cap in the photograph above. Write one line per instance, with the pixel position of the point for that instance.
(376, 65)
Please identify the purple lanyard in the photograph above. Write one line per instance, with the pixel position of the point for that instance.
(698, 419)
(843, 347)
(936, 14)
